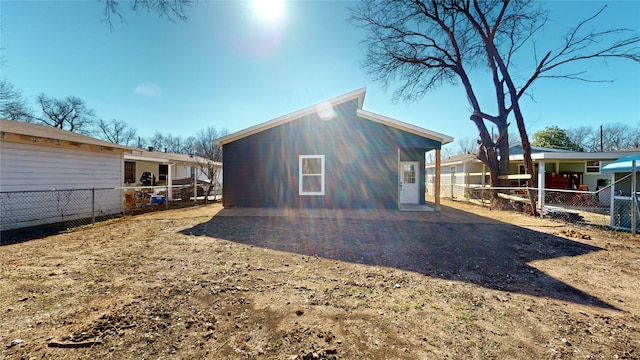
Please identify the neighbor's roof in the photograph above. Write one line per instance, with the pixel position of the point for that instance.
(52, 133)
(455, 159)
(572, 155)
(516, 149)
(163, 157)
(353, 95)
(623, 165)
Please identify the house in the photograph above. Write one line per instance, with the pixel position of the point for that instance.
(553, 169)
(168, 168)
(38, 162)
(330, 155)
(458, 172)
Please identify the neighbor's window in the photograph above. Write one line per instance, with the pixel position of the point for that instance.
(163, 172)
(311, 175)
(129, 172)
(593, 166)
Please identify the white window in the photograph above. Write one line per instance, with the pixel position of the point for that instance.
(593, 166)
(311, 177)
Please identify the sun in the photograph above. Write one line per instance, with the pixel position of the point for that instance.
(270, 10)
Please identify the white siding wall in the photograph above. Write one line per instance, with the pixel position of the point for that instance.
(179, 171)
(26, 168)
(36, 167)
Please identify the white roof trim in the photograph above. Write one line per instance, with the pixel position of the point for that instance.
(146, 158)
(356, 94)
(444, 139)
(168, 159)
(577, 156)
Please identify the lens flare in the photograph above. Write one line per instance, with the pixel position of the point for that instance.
(269, 10)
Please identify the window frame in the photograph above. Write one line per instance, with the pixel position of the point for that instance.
(301, 176)
(587, 167)
(414, 177)
(132, 172)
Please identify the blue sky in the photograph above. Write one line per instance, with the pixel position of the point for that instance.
(229, 68)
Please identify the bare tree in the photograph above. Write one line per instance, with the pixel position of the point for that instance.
(189, 145)
(156, 141)
(634, 138)
(584, 136)
(619, 136)
(141, 142)
(174, 10)
(608, 137)
(466, 145)
(423, 44)
(117, 132)
(209, 156)
(174, 144)
(12, 105)
(70, 113)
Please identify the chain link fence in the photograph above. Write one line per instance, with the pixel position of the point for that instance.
(65, 208)
(577, 206)
(608, 207)
(25, 214)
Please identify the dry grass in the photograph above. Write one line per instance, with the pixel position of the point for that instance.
(199, 283)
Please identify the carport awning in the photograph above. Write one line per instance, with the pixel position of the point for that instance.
(623, 164)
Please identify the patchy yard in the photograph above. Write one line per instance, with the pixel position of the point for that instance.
(207, 282)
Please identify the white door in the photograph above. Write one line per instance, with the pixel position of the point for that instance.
(409, 186)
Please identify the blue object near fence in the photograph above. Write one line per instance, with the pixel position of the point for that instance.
(157, 199)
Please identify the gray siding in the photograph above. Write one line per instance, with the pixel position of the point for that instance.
(361, 162)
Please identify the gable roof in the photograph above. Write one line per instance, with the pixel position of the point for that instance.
(52, 133)
(324, 105)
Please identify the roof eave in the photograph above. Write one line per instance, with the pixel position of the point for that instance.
(400, 125)
(356, 94)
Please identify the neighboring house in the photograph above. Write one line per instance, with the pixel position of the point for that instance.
(457, 173)
(43, 158)
(553, 168)
(330, 155)
(166, 167)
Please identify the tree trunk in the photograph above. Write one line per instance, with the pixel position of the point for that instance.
(487, 151)
(503, 147)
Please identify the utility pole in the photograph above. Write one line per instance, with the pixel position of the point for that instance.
(600, 138)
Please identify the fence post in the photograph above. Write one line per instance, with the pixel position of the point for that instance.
(93, 205)
(541, 187)
(484, 180)
(634, 210)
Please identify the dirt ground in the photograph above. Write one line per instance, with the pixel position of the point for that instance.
(207, 282)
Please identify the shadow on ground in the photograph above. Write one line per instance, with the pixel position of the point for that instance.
(452, 244)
